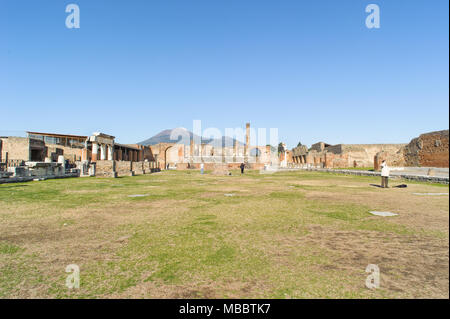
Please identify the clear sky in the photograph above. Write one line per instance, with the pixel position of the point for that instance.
(312, 69)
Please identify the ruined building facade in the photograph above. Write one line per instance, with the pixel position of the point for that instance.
(211, 155)
(341, 155)
(427, 150)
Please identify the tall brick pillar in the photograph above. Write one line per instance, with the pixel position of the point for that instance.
(84, 154)
(329, 160)
(247, 140)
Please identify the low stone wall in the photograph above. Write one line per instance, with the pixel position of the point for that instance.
(20, 179)
(138, 168)
(421, 178)
(33, 171)
(213, 166)
(105, 169)
(123, 168)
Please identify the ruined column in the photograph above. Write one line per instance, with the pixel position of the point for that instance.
(203, 149)
(102, 152)
(247, 141)
(110, 152)
(94, 152)
(62, 161)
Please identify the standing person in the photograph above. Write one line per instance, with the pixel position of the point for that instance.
(202, 168)
(384, 174)
(242, 168)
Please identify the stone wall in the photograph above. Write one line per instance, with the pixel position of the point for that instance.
(396, 159)
(335, 149)
(318, 147)
(214, 166)
(159, 153)
(183, 157)
(105, 168)
(420, 178)
(137, 167)
(18, 148)
(428, 150)
(70, 153)
(363, 154)
(342, 155)
(123, 168)
(22, 149)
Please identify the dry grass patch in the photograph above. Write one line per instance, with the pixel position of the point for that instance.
(187, 240)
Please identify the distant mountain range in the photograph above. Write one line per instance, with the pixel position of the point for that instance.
(183, 136)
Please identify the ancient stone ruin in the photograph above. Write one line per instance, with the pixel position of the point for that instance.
(323, 155)
(427, 150)
(49, 155)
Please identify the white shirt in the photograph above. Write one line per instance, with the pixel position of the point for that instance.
(202, 165)
(384, 170)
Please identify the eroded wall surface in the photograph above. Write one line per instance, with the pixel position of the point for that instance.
(428, 150)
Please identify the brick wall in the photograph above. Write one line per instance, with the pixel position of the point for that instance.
(347, 155)
(428, 150)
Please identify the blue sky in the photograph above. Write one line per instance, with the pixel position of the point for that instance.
(309, 68)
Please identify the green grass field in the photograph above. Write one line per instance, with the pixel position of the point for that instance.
(284, 235)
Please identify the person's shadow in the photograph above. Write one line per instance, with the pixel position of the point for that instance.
(396, 186)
